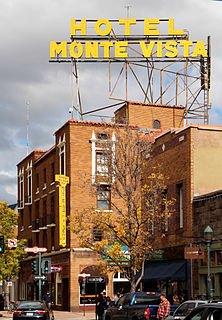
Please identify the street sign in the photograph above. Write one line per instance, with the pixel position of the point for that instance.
(36, 278)
(194, 253)
(55, 268)
(35, 249)
(95, 279)
(12, 243)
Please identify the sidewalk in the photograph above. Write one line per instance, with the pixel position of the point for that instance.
(59, 315)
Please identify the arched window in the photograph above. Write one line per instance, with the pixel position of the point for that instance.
(156, 124)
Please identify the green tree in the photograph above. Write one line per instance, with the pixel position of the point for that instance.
(139, 207)
(9, 260)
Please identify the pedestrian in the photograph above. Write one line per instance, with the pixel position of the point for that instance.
(116, 298)
(48, 299)
(164, 307)
(108, 300)
(176, 300)
(101, 306)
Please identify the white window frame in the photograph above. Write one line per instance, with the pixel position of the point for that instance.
(21, 188)
(95, 149)
(62, 151)
(29, 185)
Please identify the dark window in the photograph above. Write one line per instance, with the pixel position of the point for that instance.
(97, 234)
(44, 176)
(52, 205)
(30, 215)
(62, 163)
(104, 198)
(44, 208)
(37, 210)
(45, 238)
(37, 181)
(180, 204)
(52, 172)
(37, 239)
(53, 238)
(156, 124)
(103, 136)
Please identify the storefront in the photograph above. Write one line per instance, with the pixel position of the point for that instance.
(215, 272)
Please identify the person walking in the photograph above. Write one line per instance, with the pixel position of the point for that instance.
(164, 307)
(101, 307)
(116, 298)
(48, 300)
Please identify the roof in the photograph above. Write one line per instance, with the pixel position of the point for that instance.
(46, 153)
(189, 126)
(31, 155)
(207, 196)
(151, 105)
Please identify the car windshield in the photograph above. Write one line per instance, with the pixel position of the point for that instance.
(30, 305)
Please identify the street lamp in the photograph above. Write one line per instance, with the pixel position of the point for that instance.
(208, 235)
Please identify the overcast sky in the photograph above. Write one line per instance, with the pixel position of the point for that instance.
(26, 76)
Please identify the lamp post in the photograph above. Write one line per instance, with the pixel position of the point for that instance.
(208, 235)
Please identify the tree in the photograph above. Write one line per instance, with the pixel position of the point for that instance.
(9, 260)
(139, 207)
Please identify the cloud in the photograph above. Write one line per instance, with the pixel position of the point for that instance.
(27, 27)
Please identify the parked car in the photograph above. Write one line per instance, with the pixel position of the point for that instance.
(185, 308)
(209, 311)
(135, 306)
(28, 310)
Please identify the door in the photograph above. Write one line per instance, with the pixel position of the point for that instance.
(65, 294)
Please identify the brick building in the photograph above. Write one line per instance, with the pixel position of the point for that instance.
(76, 153)
(190, 157)
(207, 211)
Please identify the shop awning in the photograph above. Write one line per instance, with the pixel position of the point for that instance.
(165, 270)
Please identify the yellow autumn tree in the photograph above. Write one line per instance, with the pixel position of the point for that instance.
(131, 207)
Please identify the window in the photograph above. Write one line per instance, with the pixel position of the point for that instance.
(44, 178)
(99, 158)
(52, 238)
(102, 167)
(37, 210)
(44, 208)
(52, 172)
(52, 205)
(103, 136)
(37, 239)
(37, 182)
(103, 198)
(62, 158)
(180, 204)
(156, 124)
(21, 188)
(30, 215)
(97, 234)
(29, 182)
(45, 238)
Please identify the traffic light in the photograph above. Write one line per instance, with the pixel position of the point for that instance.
(2, 246)
(46, 265)
(35, 266)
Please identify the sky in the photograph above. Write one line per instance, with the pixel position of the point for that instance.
(29, 82)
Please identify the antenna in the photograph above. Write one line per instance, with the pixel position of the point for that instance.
(128, 6)
(27, 125)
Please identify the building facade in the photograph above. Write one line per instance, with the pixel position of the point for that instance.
(207, 211)
(189, 157)
(76, 154)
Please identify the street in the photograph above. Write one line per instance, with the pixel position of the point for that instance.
(59, 315)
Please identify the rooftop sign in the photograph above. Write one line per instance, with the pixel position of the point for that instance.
(104, 43)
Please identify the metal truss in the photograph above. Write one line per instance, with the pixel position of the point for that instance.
(160, 80)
